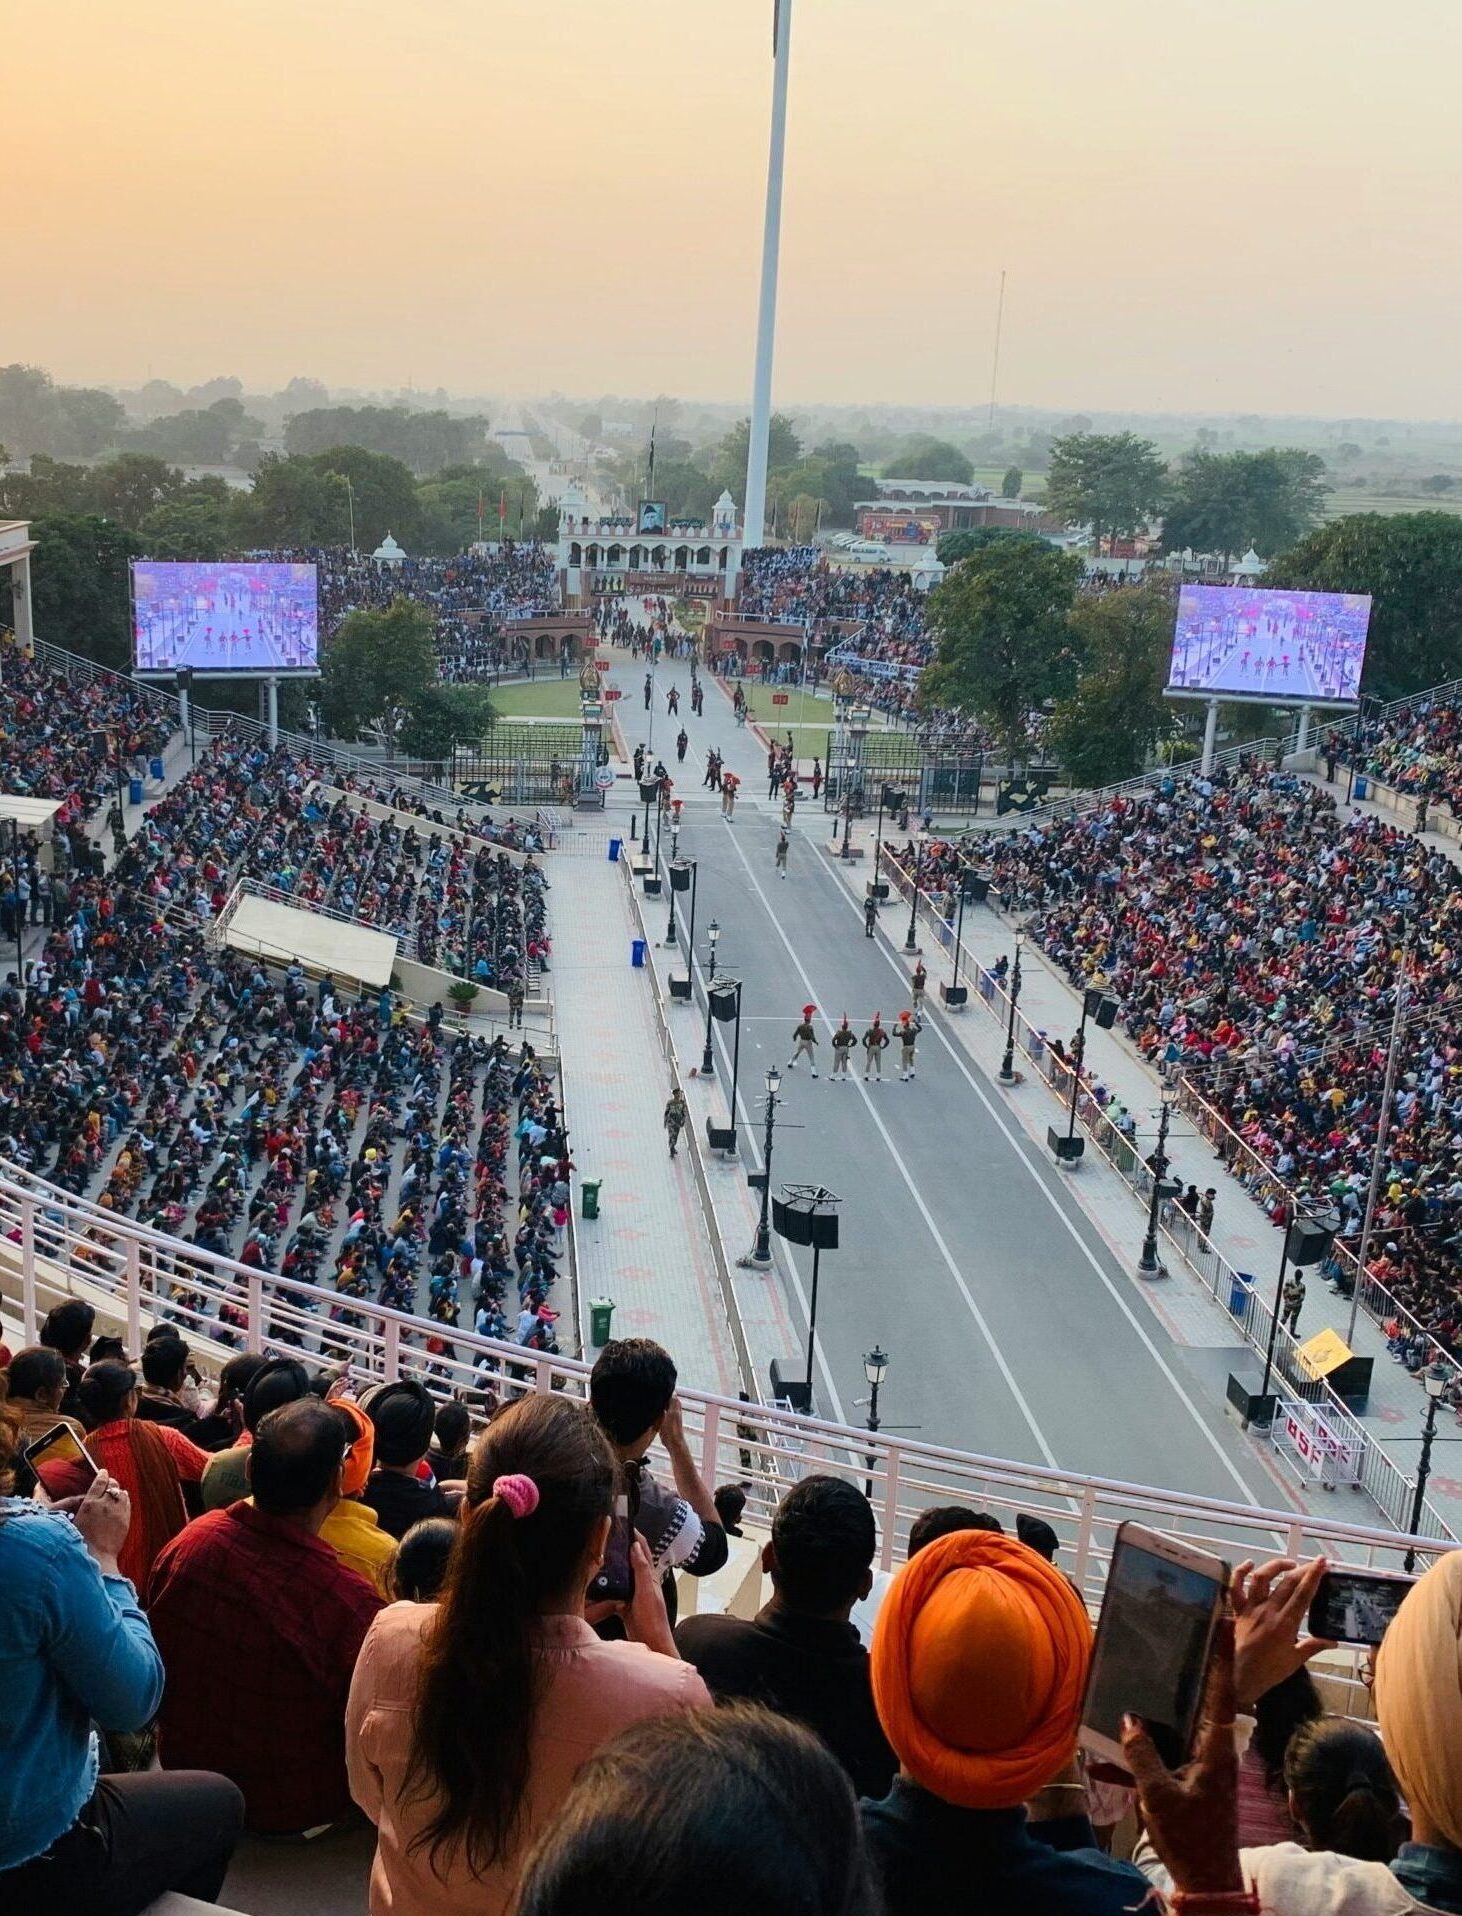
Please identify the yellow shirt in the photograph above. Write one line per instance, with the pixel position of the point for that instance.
(356, 1538)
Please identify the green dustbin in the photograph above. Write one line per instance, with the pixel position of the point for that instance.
(590, 1189)
(601, 1312)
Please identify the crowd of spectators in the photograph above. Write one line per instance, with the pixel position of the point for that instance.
(1417, 749)
(359, 1610)
(65, 741)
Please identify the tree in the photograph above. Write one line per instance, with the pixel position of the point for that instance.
(36, 415)
(1110, 481)
(1004, 646)
(424, 441)
(954, 546)
(591, 427)
(1227, 501)
(1411, 565)
(928, 458)
(783, 449)
(374, 666)
(385, 493)
(294, 503)
(50, 486)
(134, 484)
(195, 527)
(80, 586)
(440, 717)
(1011, 484)
(1105, 728)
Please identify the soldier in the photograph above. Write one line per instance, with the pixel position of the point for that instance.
(843, 1042)
(870, 915)
(908, 1037)
(649, 690)
(804, 1041)
(639, 763)
(672, 701)
(918, 985)
(875, 1038)
(676, 1116)
(682, 741)
(515, 1002)
(782, 852)
(1294, 1303)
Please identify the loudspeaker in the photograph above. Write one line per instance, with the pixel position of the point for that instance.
(680, 876)
(790, 1385)
(976, 889)
(724, 1001)
(954, 996)
(680, 988)
(1101, 1009)
(877, 889)
(720, 1137)
(1067, 1150)
(1308, 1239)
(816, 1228)
(1247, 1401)
(652, 884)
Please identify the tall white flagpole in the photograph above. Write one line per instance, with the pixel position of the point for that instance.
(766, 321)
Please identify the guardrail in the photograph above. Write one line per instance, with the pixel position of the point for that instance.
(1266, 750)
(51, 1242)
(1388, 1486)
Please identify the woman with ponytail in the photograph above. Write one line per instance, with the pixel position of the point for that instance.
(1342, 1792)
(469, 1717)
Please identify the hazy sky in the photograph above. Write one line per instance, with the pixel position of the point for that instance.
(1205, 204)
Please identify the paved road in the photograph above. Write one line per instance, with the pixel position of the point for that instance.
(1011, 1329)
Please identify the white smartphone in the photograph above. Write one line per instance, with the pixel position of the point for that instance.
(1163, 1601)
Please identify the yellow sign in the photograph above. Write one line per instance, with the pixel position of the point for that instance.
(1324, 1352)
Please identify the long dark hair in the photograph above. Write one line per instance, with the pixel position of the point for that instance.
(1344, 1790)
(479, 1683)
(1278, 1714)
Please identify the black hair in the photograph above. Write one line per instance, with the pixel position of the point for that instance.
(942, 1520)
(454, 1427)
(162, 1333)
(237, 1375)
(730, 1502)
(68, 1327)
(1344, 1790)
(721, 1811)
(405, 1415)
(420, 1568)
(296, 1456)
(1278, 1713)
(104, 1390)
(104, 1347)
(164, 1361)
(823, 1540)
(630, 1387)
(35, 1368)
(282, 1380)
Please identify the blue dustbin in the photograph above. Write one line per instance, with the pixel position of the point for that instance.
(616, 845)
(1362, 785)
(1239, 1290)
(134, 790)
(637, 950)
(155, 769)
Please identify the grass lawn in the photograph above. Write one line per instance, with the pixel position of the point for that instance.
(812, 710)
(1346, 500)
(549, 698)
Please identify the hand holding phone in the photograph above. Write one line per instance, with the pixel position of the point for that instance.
(1355, 1606)
(1270, 1604)
(60, 1463)
(104, 1518)
(614, 1581)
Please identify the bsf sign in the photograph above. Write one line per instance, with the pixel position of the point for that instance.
(780, 698)
(613, 692)
(604, 778)
(1315, 1446)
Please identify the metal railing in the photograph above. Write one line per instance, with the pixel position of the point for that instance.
(52, 1244)
(1266, 750)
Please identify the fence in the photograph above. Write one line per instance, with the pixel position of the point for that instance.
(1388, 1487)
(1264, 749)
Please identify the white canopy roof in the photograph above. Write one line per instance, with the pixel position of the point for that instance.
(28, 813)
(389, 552)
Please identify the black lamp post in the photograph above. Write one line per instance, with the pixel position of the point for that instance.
(708, 1062)
(878, 835)
(847, 822)
(1148, 1263)
(911, 942)
(670, 870)
(1435, 1379)
(649, 792)
(1007, 1063)
(761, 1253)
(875, 1368)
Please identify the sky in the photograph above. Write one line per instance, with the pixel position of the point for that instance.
(1205, 205)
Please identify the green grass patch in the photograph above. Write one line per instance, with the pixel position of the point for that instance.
(548, 698)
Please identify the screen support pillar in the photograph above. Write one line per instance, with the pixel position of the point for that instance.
(1302, 742)
(273, 686)
(1210, 734)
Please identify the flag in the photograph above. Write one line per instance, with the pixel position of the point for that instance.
(650, 468)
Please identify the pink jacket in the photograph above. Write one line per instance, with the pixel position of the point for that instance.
(595, 1690)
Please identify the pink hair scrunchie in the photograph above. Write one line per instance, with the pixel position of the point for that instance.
(519, 1493)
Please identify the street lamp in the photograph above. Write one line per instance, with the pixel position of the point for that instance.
(649, 792)
(911, 943)
(875, 1368)
(1007, 1063)
(708, 1062)
(1434, 1377)
(670, 873)
(1148, 1263)
(761, 1253)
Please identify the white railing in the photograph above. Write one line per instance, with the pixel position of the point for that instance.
(52, 1244)
(1266, 750)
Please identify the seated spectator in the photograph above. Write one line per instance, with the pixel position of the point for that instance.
(942, 1520)
(800, 1655)
(468, 1718)
(1265, 1815)
(68, 1328)
(721, 1812)
(422, 1556)
(979, 1663)
(352, 1530)
(167, 1396)
(278, 1381)
(1341, 1790)
(450, 1443)
(36, 1383)
(259, 1624)
(1038, 1534)
(221, 1427)
(404, 1416)
(152, 1463)
(75, 1650)
(632, 1391)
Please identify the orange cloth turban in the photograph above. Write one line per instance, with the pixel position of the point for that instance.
(979, 1664)
(361, 1452)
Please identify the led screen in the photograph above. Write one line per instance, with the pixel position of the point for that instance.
(235, 617)
(1241, 642)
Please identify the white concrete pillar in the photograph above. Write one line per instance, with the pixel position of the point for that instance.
(766, 320)
(1210, 734)
(273, 685)
(1302, 743)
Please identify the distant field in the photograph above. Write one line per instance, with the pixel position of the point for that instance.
(1033, 485)
(1345, 500)
(553, 698)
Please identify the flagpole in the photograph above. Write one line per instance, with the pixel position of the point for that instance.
(766, 324)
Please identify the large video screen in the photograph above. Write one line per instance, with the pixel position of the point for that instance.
(1294, 648)
(235, 617)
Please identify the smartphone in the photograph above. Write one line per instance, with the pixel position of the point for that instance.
(60, 1464)
(1163, 1601)
(1354, 1606)
(615, 1580)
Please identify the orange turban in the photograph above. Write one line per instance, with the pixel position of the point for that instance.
(979, 1664)
(360, 1453)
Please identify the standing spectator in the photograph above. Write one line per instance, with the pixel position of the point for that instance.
(800, 1655)
(259, 1624)
(468, 1718)
(75, 1650)
(151, 1462)
(400, 1494)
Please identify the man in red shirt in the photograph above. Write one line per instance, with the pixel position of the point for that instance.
(259, 1624)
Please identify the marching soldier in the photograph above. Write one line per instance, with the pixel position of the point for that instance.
(908, 1037)
(918, 985)
(677, 1114)
(782, 852)
(804, 1041)
(843, 1042)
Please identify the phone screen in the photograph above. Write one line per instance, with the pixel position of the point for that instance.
(61, 1466)
(615, 1580)
(1351, 1607)
(1151, 1652)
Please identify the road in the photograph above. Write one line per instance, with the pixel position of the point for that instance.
(1011, 1328)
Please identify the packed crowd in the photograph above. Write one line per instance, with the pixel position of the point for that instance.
(67, 742)
(283, 1606)
(1251, 931)
(1418, 749)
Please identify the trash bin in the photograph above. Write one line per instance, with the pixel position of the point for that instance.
(637, 950)
(1239, 1290)
(601, 1311)
(616, 846)
(134, 790)
(589, 1196)
(154, 768)
(1362, 785)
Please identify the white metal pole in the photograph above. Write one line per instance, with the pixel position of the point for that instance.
(273, 684)
(1210, 736)
(766, 322)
